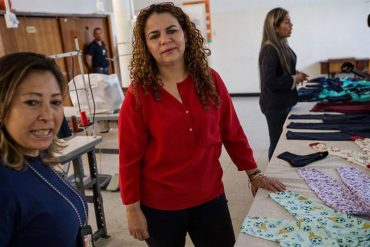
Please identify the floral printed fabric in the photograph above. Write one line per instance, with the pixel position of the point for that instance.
(334, 193)
(363, 143)
(315, 225)
(361, 158)
(356, 181)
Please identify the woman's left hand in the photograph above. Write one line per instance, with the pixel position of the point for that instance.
(267, 183)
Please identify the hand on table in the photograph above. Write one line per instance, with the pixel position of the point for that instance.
(267, 183)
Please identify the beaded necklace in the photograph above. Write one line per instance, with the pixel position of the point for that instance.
(61, 194)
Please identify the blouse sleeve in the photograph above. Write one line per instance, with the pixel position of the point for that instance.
(232, 133)
(132, 142)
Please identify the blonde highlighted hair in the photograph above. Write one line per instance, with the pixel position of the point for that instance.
(14, 68)
(272, 21)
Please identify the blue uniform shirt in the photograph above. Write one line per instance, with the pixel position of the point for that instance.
(99, 54)
(32, 213)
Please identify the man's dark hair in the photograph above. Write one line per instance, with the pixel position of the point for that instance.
(97, 28)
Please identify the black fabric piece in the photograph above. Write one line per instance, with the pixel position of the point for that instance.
(342, 98)
(312, 116)
(347, 125)
(350, 119)
(334, 85)
(302, 160)
(320, 79)
(324, 136)
(308, 93)
(331, 126)
(312, 86)
(333, 118)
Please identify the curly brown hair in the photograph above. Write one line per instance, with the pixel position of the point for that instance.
(143, 67)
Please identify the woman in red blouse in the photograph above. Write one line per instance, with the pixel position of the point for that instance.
(176, 115)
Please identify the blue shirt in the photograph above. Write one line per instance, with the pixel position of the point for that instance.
(32, 213)
(99, 54)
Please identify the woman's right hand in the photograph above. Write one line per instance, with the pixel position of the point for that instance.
(300, 77)
(136, 221)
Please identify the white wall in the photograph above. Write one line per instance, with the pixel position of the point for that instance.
(61, 6)
(322, 29)
(123, 29)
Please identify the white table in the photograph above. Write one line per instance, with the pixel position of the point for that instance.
(78, 146)
(70, 111)
(263, 205)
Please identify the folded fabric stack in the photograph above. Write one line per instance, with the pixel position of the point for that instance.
(335, 90)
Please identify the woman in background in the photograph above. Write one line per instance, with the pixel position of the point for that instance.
(279, 78)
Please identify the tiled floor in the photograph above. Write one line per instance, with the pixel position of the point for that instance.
(235, 182)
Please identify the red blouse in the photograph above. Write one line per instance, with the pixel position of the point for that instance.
(169, 151)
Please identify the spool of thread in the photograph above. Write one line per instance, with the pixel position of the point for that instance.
(84, 121)
(74, 124)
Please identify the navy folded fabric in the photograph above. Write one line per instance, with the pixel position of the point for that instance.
(342, 135)
(331, 126)
(327, 136)
(334, 118)
(296, 160)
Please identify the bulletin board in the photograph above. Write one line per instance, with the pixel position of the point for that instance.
(199, 13)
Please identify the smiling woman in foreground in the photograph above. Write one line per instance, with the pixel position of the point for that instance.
(37, 206)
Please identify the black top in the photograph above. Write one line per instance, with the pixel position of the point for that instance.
(276, 84)
(99, 54)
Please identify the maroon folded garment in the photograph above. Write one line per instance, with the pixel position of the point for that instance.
(343, 107)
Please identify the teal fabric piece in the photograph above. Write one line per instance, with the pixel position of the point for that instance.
(315, 225)
(330, 93)
(359, 90)
(336, 89)
(363, 94)
(287, 233)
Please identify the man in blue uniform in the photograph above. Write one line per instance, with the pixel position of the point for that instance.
(96, 57)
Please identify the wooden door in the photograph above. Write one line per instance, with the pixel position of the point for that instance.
(52, 35)
(35, 34)
(82, 29)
